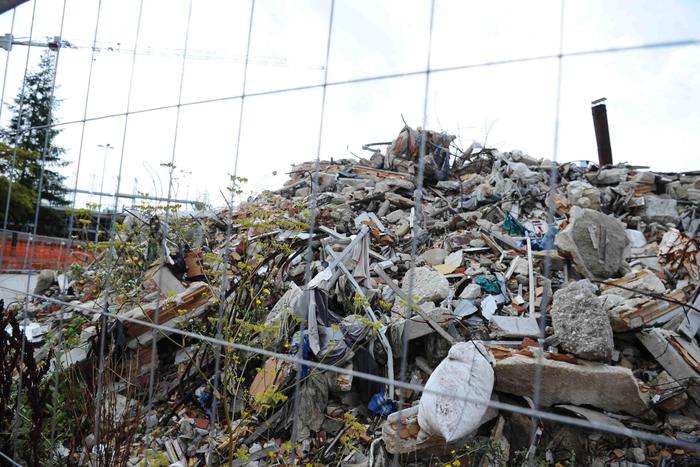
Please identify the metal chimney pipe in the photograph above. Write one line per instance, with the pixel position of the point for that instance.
(602, 133)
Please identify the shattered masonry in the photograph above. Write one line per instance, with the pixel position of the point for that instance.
(614, 273)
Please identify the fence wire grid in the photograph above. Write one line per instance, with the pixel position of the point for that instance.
(238, 122)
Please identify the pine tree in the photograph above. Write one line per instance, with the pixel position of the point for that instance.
(38, 109)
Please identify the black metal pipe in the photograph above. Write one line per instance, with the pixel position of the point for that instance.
(602, 133)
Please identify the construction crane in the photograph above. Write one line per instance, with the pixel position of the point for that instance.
(7, 41)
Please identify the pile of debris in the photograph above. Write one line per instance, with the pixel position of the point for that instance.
(579, 277)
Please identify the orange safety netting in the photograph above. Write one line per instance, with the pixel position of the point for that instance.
(48, 253)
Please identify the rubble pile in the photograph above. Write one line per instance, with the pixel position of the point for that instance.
(591, 273)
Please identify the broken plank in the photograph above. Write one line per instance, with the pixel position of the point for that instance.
(196, 295)
(658, 343)
(491, 243)
(340, 236)
(655, 311)
(389, 281)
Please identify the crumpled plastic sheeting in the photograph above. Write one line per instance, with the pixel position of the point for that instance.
(313, 398)
(360, 256)
(512, 226)
(353, 328)
(380, 405)
(488, 286)
(289, 303)
(333, 348)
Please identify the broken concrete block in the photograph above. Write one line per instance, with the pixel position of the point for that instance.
(646, 178)
(448, 185)
(383, 209)
(583, 194)
(644, 281)
(638, 455)
(682, 423)
(488, 307)
(402, 229)
(454, 259)
(662, 210)
(417, 327)
(471, 292)
(610, 301)
(44, 281)
(580, 322)
(597, 243)
(636, 238)
(73, 356)
(400, 433)
(514, 327)
(392, 184)
(669, 394)
(691, 322)
(160, 278)
(471, 181)
(395, 216)
(610, 388)
(519, 266)
(694, 194)
(477, 243)
(398, 200)
(33, 332)
(326, 181)
(355, 182)
(427, 284)
(609, 176)
(464, 307)
(434, 256)
(302, 192)
(522, 173)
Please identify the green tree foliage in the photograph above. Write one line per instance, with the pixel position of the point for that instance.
(22, 197)
(21, 202)
(38, 109)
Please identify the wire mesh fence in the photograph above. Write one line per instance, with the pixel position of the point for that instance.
(48, 252)
(225, 336)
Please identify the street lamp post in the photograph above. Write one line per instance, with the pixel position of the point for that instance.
(102, 185)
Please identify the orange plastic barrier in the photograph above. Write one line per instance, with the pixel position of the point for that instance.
(49, 252)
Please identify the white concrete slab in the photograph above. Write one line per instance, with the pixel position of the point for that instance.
(17, 282)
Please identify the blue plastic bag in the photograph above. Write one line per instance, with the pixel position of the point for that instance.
(380, 405)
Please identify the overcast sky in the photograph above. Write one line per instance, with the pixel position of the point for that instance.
(653, 95)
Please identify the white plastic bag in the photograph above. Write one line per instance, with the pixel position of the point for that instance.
(466, 377)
